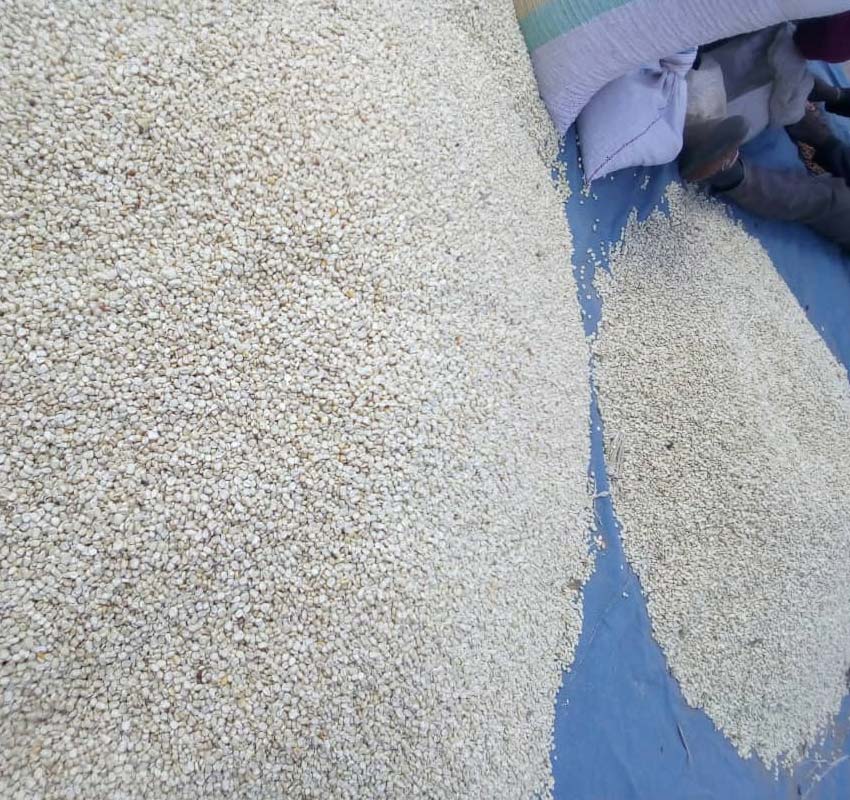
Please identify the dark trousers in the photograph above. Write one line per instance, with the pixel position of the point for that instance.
(822, 203)
(834, 157)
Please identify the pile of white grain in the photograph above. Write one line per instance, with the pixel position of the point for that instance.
(292, 404)
(733, 490)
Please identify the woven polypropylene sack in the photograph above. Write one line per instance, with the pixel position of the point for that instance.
(578, 46)
(637, 120)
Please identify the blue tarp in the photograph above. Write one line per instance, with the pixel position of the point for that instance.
(622, 728)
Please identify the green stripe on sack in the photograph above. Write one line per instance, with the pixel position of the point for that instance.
(556, 17)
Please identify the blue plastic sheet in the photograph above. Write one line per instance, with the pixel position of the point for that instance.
(622, 728)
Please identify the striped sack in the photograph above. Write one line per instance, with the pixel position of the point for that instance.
(578, 46)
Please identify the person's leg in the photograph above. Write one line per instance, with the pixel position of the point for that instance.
(834, 157)
(821, 203)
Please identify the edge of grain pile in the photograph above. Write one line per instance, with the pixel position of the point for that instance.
(732, 415)
(293, 403)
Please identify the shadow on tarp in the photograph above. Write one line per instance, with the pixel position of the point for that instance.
(622, 728)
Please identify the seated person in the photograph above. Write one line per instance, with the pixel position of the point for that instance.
(711, 150)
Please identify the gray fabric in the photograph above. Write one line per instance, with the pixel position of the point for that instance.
(754, 106)
(822, 203)
(767, 81)
(743, 61)
(792, 81)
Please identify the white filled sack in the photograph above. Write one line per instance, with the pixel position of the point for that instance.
(636, 120)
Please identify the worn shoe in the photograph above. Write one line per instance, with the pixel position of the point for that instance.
(841, 105)
(729, 177)
(711, 148)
